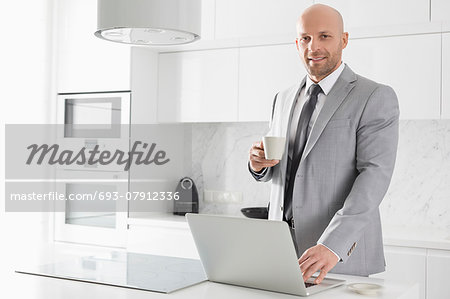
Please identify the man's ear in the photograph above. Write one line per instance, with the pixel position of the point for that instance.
(344, 39)
(296, 42)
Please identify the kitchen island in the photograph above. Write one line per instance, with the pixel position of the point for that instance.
(18, 285)
(37, 287)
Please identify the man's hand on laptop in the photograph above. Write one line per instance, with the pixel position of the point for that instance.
(317, 258)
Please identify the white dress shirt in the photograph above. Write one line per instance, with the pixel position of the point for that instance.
(326, 84)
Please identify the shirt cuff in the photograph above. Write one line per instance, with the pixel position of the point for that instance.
(339, 258)
(257, 175)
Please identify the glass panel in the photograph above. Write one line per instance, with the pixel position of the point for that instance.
(130, 270)
(83, 212)
(92, 113)
(92, 117)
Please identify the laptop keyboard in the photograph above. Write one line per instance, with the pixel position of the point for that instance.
(309, 284)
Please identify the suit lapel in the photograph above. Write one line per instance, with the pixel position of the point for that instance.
(335, 97)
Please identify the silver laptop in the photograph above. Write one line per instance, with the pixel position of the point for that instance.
(253, 253)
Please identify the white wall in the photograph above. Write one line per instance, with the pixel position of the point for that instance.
(25, 76)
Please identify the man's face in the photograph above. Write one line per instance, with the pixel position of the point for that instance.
(320, 43)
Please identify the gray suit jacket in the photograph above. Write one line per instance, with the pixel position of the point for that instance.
(344, 172)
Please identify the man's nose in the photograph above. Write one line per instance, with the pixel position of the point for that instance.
(314, 45)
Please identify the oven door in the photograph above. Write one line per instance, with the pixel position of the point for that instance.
(94, 121)
(94, 115)
(95, 209)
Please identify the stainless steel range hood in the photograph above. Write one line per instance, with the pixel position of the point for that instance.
(149, 22)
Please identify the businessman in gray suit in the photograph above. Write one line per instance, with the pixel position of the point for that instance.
(342, 134)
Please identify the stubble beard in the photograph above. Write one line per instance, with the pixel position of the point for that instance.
(324, 70)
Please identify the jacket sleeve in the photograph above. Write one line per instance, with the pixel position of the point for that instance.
(376, 148)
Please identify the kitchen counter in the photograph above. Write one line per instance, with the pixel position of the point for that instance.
(159, 219)
(421, 237)
(38, 287)
(30, 286)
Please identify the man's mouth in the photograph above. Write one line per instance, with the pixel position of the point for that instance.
(316, 59)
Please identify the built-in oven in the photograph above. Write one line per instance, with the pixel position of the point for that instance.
(94, 121)
(95, 209)
(94, 115)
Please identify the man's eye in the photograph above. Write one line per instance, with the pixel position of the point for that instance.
(325, 35)
(305, 38)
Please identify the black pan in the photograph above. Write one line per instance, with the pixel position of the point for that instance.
(256, 212)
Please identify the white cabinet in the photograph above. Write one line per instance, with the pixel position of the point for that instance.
(208, 19)
(239, 84)
(198, 86)
(440, 10)
(85, 62)
(369, 13)
(251, 18)
(394, 61)
(428, 267)
(144, 84)
(438, 283)
(405, 265)
(446, 75)
(236, 84)
(264, 71)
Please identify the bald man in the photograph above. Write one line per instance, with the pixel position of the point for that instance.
(342, 134)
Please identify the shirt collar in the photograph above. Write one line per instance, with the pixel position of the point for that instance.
(326, 83)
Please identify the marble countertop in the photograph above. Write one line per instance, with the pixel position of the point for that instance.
(38, 287)
(421, 237)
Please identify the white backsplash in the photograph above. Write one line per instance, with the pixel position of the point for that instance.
(220, 155)
(419, 194)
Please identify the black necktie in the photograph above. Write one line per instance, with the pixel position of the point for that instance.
(301, 137)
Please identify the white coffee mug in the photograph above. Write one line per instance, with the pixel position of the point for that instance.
(274, 147)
